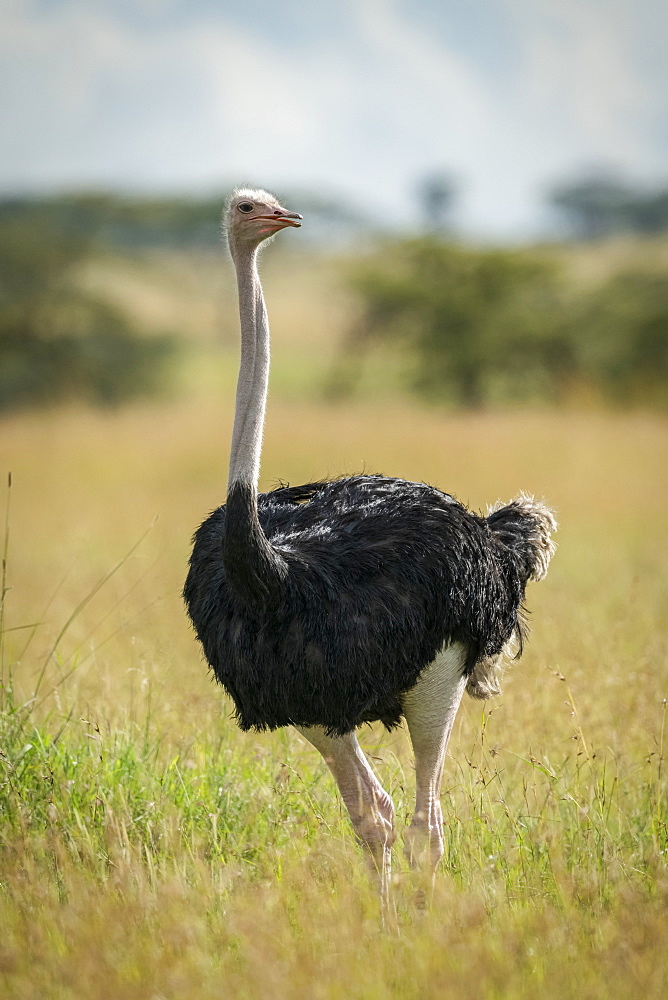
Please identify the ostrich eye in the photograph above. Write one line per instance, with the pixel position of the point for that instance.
(245, 206)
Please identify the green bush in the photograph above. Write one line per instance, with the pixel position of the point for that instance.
(57, 342)
(492, 325)
(620, 336)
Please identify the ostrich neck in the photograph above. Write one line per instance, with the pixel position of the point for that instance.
(253, 375)
(253, 567)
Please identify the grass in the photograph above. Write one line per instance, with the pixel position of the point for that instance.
(150, 850)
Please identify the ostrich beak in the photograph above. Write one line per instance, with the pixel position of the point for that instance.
(282, 219)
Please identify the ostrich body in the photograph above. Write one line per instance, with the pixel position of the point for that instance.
(360, 599)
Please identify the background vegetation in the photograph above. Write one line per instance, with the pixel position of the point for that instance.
(455, 324)
(147, 848)
(504, 326)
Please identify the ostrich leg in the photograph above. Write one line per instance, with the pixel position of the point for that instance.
(370, 807)
(430, 709)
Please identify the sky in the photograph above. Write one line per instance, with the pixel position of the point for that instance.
(354, 99)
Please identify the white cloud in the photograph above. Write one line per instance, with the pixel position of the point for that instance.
(97, 97)
(580, 76)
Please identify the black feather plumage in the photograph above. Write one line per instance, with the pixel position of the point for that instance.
(352, 588)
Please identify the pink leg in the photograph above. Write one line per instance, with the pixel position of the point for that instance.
(369, 805)
(430, 709)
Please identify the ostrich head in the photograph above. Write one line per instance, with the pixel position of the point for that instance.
(254, 216)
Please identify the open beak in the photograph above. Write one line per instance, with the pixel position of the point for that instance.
(283, 219)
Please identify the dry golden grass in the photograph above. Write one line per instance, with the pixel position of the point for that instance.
(272, 908)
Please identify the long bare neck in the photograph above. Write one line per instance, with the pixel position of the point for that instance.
(253, 567)
(253, 374)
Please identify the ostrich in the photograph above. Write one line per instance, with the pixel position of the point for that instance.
(359, 599)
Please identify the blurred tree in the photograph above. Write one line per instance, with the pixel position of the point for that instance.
(620, 336)
(600, 206)
(185, 222)
(650, 213)
(482, 323)
(594, 206)
(487, 326)
(436, 194)
(57, 342)
(121, 221)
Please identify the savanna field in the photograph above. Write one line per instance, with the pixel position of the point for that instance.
(151, 851)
